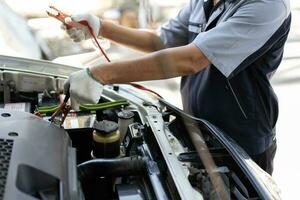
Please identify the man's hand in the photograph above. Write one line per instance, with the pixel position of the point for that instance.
(83, 88)
(80, 32)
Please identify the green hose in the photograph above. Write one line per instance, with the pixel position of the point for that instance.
(47, 109)
(102, 106)
(87, 107)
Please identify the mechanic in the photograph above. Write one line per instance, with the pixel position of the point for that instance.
(226, 51)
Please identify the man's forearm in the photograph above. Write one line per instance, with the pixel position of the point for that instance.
(141, 40)
(167, 63)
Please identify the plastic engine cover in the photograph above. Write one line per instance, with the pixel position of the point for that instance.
(36, 159)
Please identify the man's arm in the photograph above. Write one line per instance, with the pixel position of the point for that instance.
(173, 34)
(142, 40)
(163, 64)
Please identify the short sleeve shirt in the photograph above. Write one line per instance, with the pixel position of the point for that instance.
(244, 41)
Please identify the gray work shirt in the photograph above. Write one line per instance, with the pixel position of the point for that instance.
(244, 40)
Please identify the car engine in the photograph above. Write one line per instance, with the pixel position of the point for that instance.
(130, 146)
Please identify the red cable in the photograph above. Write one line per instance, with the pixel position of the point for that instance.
(144, 88)
(85, 23)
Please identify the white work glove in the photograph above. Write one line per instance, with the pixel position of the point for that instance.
(80, 32)
(83, 88)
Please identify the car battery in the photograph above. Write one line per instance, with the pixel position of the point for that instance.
(22, 106)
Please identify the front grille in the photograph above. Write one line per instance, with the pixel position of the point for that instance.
(5, 153)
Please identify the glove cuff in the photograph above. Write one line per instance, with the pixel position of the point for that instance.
(100, 28)
(88, 71)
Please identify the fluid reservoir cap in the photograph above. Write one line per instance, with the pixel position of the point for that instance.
(105, 126)
(125, 114)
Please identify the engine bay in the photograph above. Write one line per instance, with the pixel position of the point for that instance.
(130, 145)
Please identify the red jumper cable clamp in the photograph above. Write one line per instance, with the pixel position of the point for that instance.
(62, 110)
(61, 16)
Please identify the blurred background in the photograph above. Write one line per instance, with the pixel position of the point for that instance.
(26, 31)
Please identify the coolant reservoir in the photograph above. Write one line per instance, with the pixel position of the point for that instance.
(125, 118)
(106, 140)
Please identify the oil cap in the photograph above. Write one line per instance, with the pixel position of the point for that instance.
(105, 127)
(125, 114)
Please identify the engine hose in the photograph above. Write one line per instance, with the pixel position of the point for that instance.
(102, 106)
(96, 168)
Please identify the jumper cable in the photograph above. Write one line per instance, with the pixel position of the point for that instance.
(64, 108)
(61, 16)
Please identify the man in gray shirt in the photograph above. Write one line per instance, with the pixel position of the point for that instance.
(226, 51)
